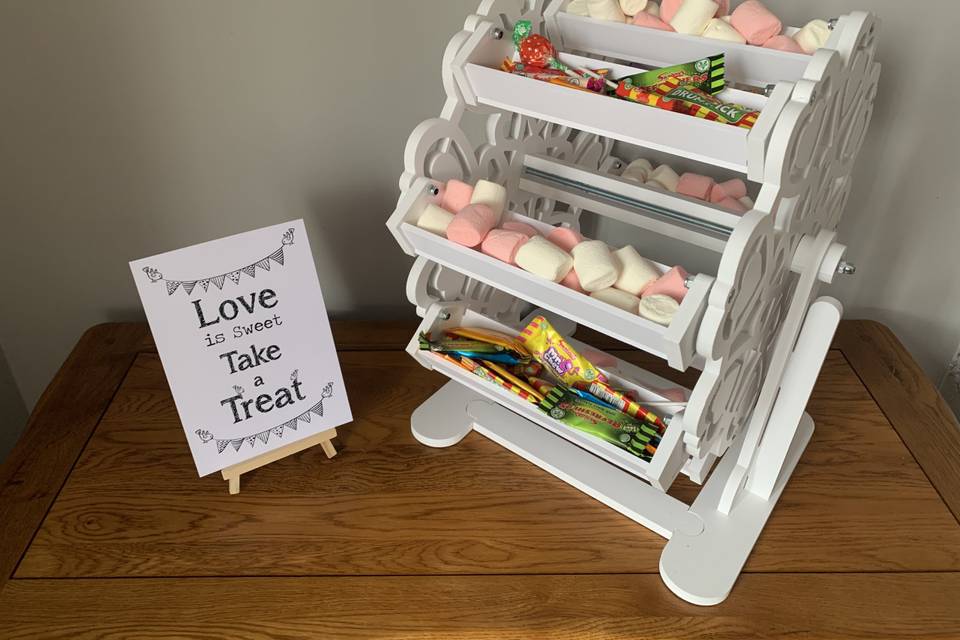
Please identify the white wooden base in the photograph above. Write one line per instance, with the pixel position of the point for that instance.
(706, 548)
(324, 439)
(703, 568)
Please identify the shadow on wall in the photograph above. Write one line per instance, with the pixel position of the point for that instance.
(950, 387)
(13, 412)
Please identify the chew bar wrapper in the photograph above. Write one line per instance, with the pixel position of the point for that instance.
(707, 74)
(550, 349)
(621, 402)
(703, 105)
(636, 94)
(606, 424)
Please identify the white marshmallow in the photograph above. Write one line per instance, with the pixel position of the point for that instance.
(542, 258)
(659, 309)
(595, 265)
(693, 15)
(636, 272)
(653, 9)
(606, 10)
(578, 8)
(633, 7)
(813, 35)
(747, 202)
(491, 194)
(619, 299)
(638, 170)
(435, 219)
(720, 29)
(665, 177)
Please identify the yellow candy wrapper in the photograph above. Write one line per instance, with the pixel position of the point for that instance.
(556, 355)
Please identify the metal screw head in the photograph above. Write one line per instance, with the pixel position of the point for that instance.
(617, 164)
(768, 90)
(445, 315)
(688, 282)
(497, 34)
(433, 190)
(847, 269)
(832, 23)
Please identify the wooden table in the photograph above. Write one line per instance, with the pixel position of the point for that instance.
(107, 531)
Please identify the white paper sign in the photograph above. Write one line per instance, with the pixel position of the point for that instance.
(245, 342)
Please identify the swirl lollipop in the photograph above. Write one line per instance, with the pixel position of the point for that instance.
(536, 50)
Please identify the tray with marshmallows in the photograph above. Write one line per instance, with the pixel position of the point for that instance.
(466, 227)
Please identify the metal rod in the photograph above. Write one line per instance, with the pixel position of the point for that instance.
(670, 214)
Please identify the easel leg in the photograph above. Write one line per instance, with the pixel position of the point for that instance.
(324, 439)
(328, 448)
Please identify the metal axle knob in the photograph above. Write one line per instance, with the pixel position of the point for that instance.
(847, 269)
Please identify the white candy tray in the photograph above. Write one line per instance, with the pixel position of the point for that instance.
(481, 81)
(676, 343)
(669, 458)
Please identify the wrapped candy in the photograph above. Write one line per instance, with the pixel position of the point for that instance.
(632, 93)
(536, 50)
(707, 74)
(553, 76)
(700, 104)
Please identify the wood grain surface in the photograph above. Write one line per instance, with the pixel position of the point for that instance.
(65, 416)
(867, 606)
(912, 405)
(393, 539)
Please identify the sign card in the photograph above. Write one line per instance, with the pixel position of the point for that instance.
(245, 342)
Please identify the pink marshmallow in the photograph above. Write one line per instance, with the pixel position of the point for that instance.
(755, 22)
(735, 189)
(672, 284)
(456, 196)
(572, 281)
(520, 227)
(730, 204)
(471, 225)
(695, 186)
(644, 19)
(783, 43)
(565, 238)
(668, 9)
(503, 245)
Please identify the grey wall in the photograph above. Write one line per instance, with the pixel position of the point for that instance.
(134, 127)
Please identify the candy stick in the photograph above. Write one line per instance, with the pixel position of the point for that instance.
(484, 373)
(514, 380)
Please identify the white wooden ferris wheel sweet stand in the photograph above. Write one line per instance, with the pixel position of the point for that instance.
(757, 330)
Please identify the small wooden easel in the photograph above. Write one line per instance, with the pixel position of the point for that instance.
(324, 439)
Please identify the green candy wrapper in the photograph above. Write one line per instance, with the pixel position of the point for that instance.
(707, 74)
(521, 30)
(609, 425)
